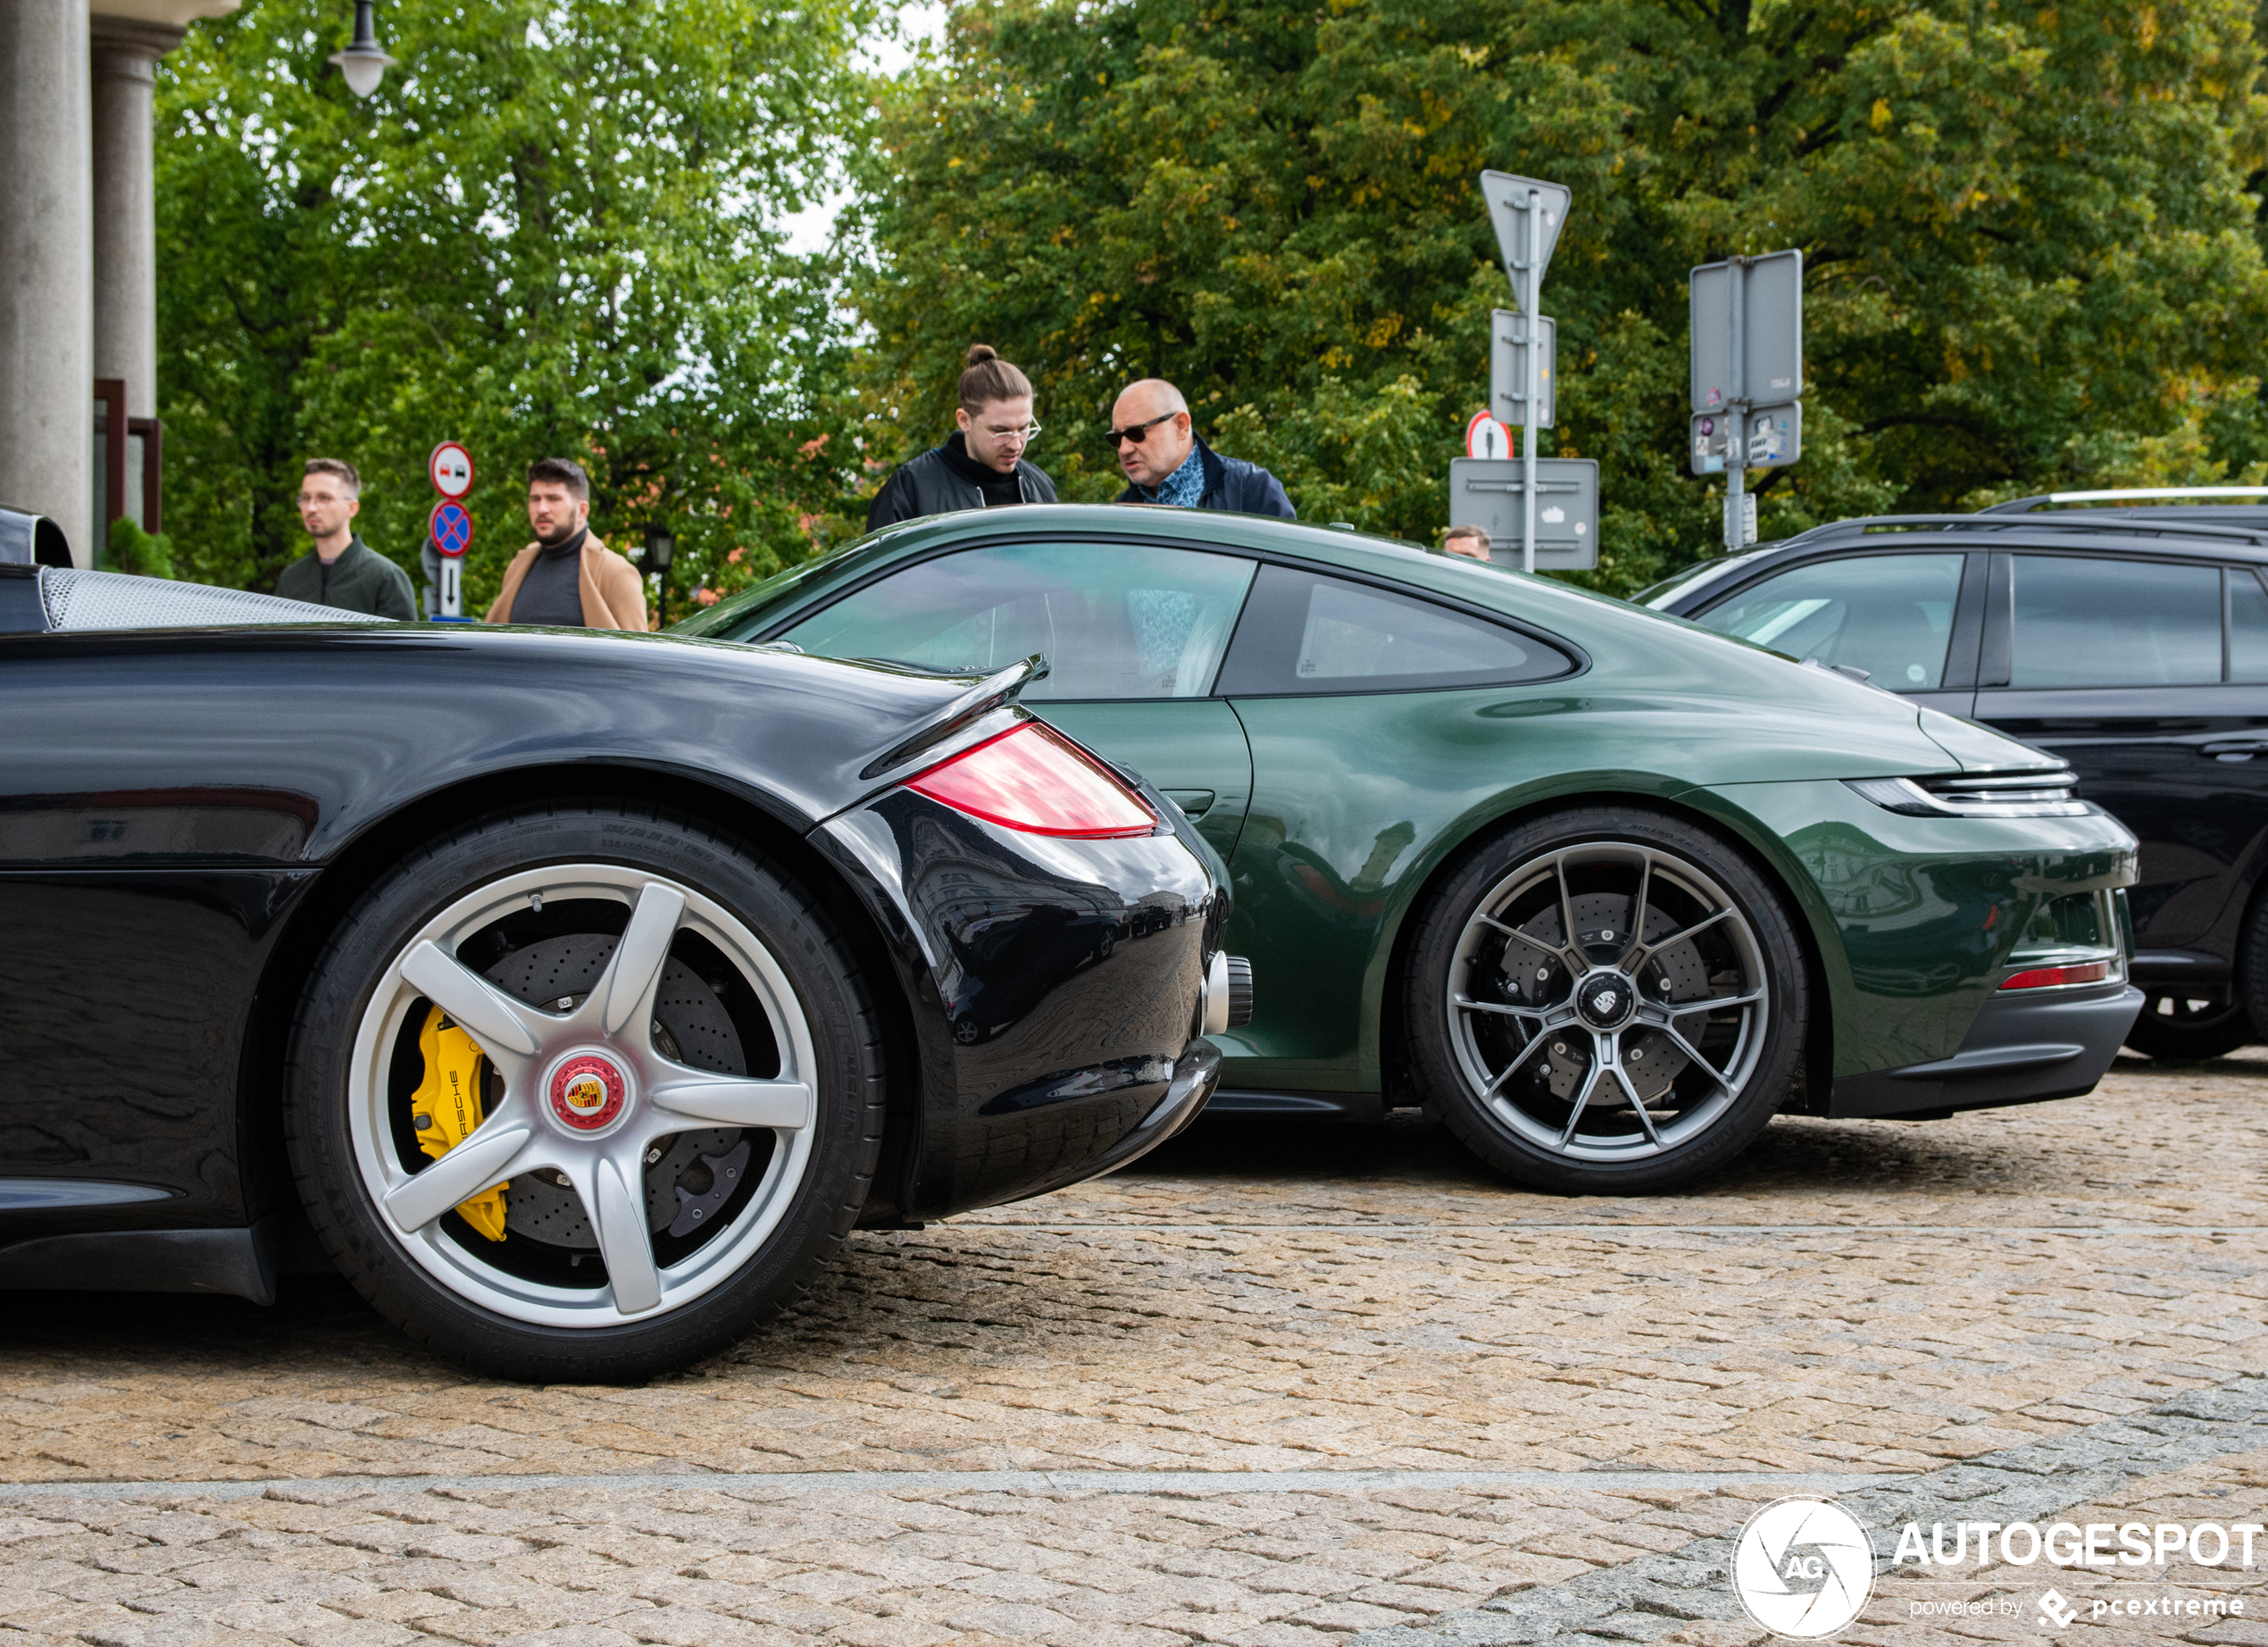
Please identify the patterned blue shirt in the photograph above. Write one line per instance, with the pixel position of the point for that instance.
(1183, 488)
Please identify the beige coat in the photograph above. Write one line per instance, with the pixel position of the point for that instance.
(613, 594)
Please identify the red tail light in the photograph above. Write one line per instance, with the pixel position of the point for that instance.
(2049, 977)
(1033, 778)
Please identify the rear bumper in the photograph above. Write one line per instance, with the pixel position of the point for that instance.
(2022, 1048)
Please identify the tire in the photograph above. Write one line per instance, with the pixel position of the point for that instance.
(2182, 1028)
(680, 1083)
(1549, 1082)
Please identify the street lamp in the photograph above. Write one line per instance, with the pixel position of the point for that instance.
(363, 63)
(661, 548)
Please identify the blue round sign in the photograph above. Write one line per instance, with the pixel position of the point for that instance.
(451, 528)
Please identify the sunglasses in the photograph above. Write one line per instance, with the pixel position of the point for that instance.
(1138, 433)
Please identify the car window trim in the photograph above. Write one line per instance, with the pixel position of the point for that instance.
(1579, 659)
(1997, 668)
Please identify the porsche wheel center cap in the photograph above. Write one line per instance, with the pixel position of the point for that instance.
(1603, 1001)
(588, 1093)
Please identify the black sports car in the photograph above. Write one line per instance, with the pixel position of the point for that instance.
(581, 992)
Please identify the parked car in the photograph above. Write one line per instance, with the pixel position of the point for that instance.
(1605, 891)
(582, 992)
(2130, 640)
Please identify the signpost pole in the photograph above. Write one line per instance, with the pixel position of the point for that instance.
(1736, 439)
(1532, 324)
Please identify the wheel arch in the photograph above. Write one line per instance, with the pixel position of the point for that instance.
(385, 840)
(1814, 923)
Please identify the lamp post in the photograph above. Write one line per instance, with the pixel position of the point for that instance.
(363, 63)
(661, 548)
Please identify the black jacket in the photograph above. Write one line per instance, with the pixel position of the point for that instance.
(927, 485)
(361, 579)
(1233, 486)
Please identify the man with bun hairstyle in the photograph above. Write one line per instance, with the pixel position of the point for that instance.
(981, 465)
(342, 571)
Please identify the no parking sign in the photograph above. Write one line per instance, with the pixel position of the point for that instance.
(448, 530)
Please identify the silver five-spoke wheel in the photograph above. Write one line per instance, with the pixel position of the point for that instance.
(584, 1089)
(584, 1093)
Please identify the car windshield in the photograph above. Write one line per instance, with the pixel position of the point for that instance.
(738, 617)
(1659, 594)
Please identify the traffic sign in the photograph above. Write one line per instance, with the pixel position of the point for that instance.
(450, 528)
(1491, 496)
(1507, 196)
(1751, 353)
(1485, 437)
(1774, 438)
(451, 470)
(1508, 369)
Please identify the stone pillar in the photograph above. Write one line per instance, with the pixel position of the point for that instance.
(125, 85)
(46, 263)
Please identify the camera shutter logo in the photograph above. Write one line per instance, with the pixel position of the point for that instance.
(1802, 1568)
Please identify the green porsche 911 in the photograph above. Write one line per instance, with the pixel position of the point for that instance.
(1603, 889)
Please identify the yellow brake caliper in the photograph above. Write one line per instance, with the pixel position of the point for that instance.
(447, 1106)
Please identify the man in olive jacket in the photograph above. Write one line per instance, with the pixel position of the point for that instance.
(566, 578)
(342, 571)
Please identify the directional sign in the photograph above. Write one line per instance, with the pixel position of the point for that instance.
(1769, 370)
(1488, 495)
(1508, 369)
(450, 528)
(1485, 437)
(451, 468)
(1775, 437)
(1507, 198)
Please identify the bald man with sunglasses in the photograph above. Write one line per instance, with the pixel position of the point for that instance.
(1161, 455)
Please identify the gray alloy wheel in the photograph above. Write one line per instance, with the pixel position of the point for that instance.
(1606, 1007)
(583, 1092)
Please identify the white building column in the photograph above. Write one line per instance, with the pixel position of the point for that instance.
(125, 54)
(47, 266)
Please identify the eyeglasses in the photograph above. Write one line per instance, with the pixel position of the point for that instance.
(1029, 433)
(1137, 433)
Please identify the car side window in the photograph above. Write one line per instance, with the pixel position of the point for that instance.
(1306, 632)
(1114, 621)
(2248, 626)
(1888, 614)
(2085, 621)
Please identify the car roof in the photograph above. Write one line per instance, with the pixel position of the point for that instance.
(2225, 532)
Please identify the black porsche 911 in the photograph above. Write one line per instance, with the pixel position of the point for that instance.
(582, 992)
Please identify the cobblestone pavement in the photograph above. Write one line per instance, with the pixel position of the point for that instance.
(1273, 1385)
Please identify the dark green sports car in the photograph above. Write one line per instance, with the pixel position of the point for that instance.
(1605, 891)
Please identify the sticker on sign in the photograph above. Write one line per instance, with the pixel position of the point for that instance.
(451, 469)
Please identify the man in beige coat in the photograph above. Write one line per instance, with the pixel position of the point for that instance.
(566, 578)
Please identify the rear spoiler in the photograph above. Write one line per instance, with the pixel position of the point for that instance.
(981, 700)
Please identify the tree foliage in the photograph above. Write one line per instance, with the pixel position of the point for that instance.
(546, 235)
(2028, 233)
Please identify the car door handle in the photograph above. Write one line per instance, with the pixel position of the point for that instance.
(1196, 803)
(2235, 749)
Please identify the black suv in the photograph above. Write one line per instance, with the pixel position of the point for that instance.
(2131, 640)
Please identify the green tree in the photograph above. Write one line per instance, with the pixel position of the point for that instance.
(548, 233)
(2030, 250)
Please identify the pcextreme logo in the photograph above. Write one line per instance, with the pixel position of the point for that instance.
(1803, 1567)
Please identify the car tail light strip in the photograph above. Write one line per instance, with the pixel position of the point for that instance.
(1033, 778)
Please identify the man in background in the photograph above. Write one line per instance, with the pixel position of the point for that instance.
(567, 579)
(1469, 541)
(1161, 455)
(982, 465)
(341, 570)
